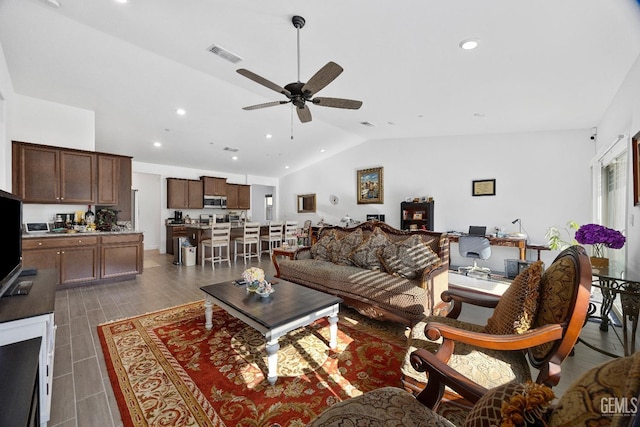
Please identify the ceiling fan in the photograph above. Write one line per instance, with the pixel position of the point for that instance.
(299, 93)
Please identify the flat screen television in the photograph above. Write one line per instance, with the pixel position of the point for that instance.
(11, 260)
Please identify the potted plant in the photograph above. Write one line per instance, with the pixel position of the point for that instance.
(599, 237)
(554, 236)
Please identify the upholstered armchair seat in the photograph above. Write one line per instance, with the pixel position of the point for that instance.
(581, 404)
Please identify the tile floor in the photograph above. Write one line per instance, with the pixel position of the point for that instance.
(82, 393)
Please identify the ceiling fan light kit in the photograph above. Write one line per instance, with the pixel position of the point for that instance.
(299, 93)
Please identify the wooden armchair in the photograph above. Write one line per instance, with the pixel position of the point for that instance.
(535, 323)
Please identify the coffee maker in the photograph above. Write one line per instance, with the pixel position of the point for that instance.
(177, 217)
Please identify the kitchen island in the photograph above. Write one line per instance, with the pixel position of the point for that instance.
(196, 233)
(85, 258)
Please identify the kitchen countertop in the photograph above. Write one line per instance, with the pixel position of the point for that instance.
(91, 233)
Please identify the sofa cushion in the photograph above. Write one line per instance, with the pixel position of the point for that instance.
(342, 248)
(387, 291)
(322, 249)
(408, 258)
(590, 399)
(366, 254)
(517, 307)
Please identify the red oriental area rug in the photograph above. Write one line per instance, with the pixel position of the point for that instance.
(167, 369)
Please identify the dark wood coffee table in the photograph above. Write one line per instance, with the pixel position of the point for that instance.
(289, 307)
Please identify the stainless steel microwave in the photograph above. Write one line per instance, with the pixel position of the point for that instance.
(215, 202)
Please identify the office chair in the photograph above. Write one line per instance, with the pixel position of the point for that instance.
(475, 247)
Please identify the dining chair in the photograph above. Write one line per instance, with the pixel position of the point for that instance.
(291, 232)
(273, 239)
(220, 239)
(306, 233)
(250, 237)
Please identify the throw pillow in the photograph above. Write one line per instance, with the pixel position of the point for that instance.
(517, 307)
(322, 249)
(342, 248)
(508, 404)
(365, 255)
(408, 258)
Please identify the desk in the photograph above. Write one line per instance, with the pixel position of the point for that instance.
(611, 284)
(513, 242)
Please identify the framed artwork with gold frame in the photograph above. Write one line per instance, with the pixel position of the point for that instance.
(370, 185)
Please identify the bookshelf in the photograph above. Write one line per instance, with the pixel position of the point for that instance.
(416, 215)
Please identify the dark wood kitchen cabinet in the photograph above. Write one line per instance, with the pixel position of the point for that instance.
(121, 255)
(108, 180)
(74, 258)
(214, 186)
(86, 258)
(238, 196)
(185, 193)
(121, 186)
(43, 174)
(174, 231)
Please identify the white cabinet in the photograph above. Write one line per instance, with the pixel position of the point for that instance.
(32, 316)
(32, 327)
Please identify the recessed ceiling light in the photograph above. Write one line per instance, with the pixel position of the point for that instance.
(469, 44)
(157, 144)
(268, 136)
(181, 111)
(286, 167)
(121, 1)
(234, 158)
(322, 150)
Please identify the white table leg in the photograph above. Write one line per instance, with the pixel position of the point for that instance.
(208, 313)
(272, 360)
(333, 331)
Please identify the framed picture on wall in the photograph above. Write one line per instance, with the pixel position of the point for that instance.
(370, 186)
(483, 187)
(636, 169)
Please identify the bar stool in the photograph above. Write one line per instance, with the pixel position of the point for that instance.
(273, 239)
(220, 239)
(250, 237)
(290, 232)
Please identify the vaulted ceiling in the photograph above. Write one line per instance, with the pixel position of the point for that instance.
(539, 65)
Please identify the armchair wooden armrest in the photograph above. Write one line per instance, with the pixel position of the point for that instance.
(441, 375)
(531, 338)
(459, 297)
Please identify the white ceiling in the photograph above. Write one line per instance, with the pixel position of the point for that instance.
(541, 65)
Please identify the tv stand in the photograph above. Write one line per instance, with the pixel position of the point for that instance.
(32, 316)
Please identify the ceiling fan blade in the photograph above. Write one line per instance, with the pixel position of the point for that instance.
(265, 105)
(350, 104)
(304, 114)
(323, 77)
(264, 82)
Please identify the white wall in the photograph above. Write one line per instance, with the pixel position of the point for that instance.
(623, 118)
(6, 98)
(542, 178)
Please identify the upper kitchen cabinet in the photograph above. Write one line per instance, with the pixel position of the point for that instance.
(108, 180)
(214, 186)
(185, 194)
(238, 196)
(43, 174)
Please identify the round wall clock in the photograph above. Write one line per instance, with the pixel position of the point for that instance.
(334, 199)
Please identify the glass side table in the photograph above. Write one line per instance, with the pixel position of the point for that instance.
(612, 281)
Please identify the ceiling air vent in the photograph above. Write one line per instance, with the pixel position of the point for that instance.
(233, 150)
(369, 124)
(224, 53)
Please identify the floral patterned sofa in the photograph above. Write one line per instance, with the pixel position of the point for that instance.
(382, 272)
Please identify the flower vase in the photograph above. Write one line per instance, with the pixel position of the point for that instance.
(599, 262)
